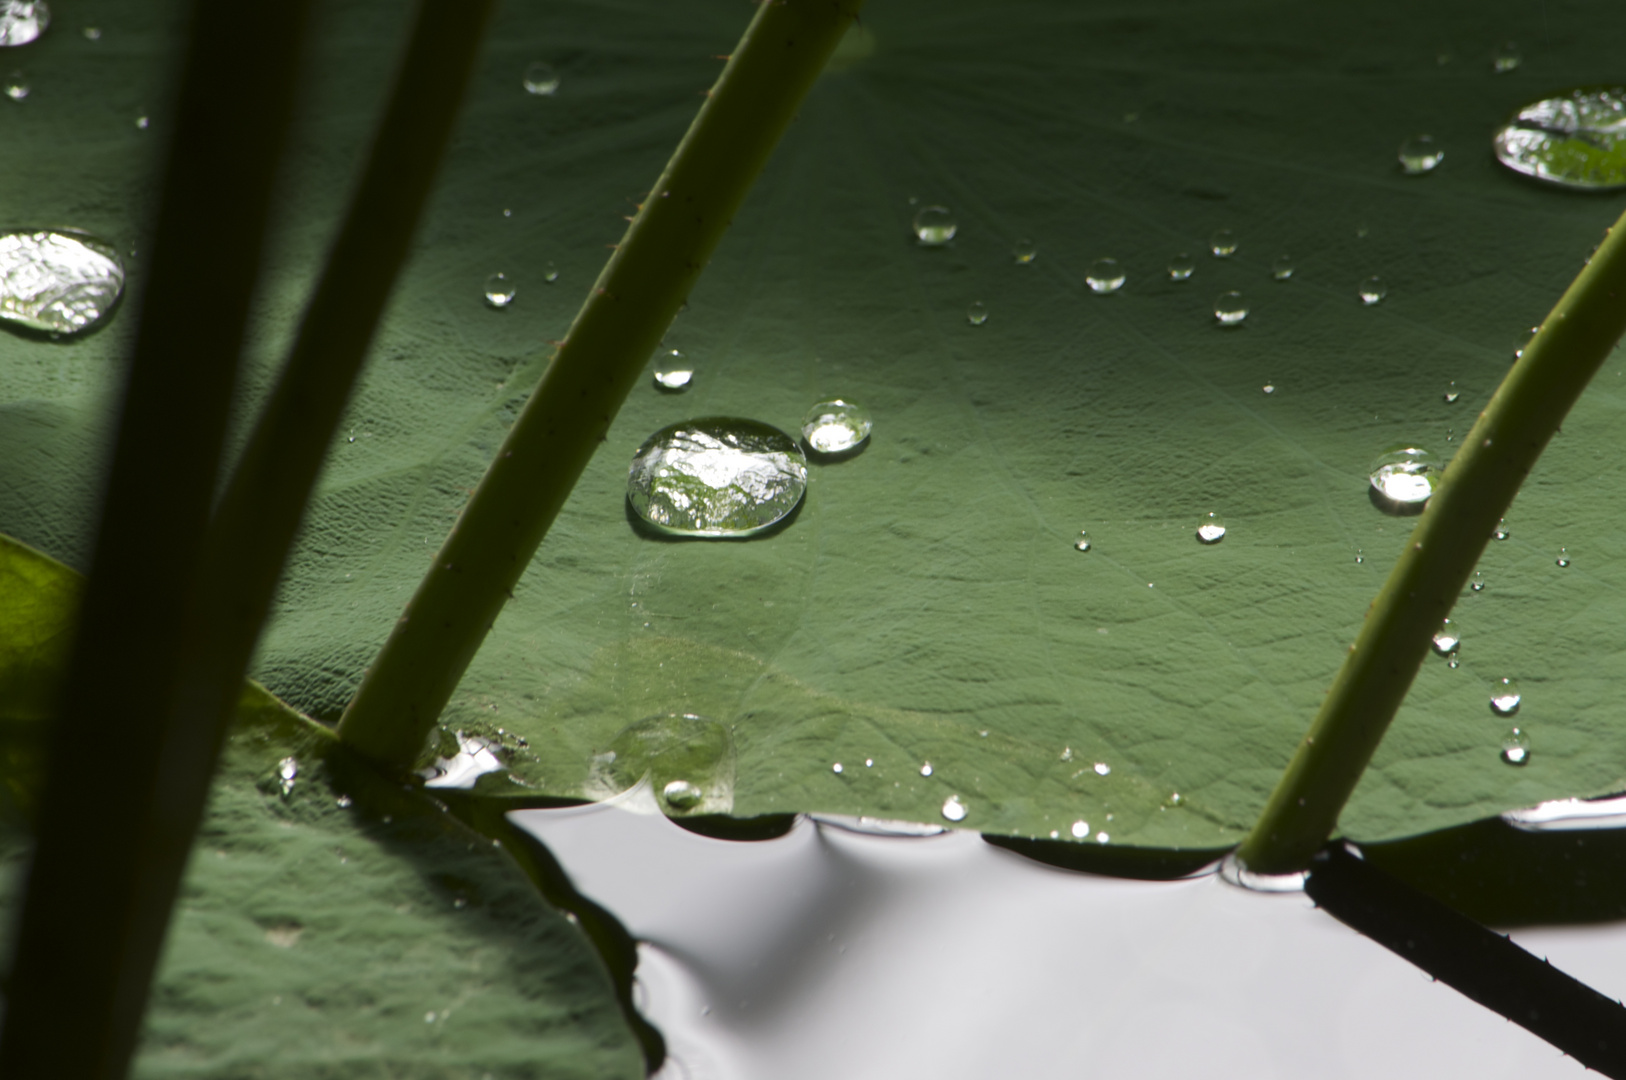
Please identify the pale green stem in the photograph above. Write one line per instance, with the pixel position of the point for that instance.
(643, 285)
(1474, 493)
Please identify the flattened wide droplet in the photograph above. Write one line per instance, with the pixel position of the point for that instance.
(717, 476)
(21, 21)
(689, 761)
(58, 282)
(1575, 139)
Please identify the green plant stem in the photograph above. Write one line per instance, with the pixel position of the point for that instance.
(641, 288)
(1474, 492)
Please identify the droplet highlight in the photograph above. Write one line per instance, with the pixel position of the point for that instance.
(935, 226)
(836, 427)
(977, 313)
(1372, 290)
(499, 291)
(1451, 394)
(22, 21)
(954, 809)
(1181, 267)
(1081, 830)
(1403, 478)
(1211, 528)
(1222, 244)
(1230, 309)
(1563, 558)
(682, 796)
(1501, 532)
(1575, 139)
(1282, 268)
(1446, 640)
(15, 86)
(1024, 251)
(925, 768)
(674, 380)
(540, 79)
(1105, 276)
(1478, 583)
(1516, 748)
(1083, 541)
(1420, 154)
(716, 477)
(1505, 697)
(59, 283)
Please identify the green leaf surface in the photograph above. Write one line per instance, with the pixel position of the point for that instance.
(929, 591)
(331, 924)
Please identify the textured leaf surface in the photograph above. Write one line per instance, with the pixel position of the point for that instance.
(929, 590)
(369, 936)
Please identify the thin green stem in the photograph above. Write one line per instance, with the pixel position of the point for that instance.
(643, 285)
(1473, 494)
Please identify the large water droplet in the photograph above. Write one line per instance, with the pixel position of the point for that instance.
(1372, 290)
(1105, 276)
(1222, 244)
(16, 86)
(1403, 478)
(935, 225)
(716, 477)
(1282, 268)
(540, 79)
(836, 427)
(953, 808)
(1229, 308)
(977, 313)
(1505, 698)
(1446, 641)
(1181, 267)
(1507, 58)
(1575, 139)
(689, 760)
(1516, 748)
(21, 21)
(1563, 558)
(1024, 251)
(1420, 154)
(499, 291)
(1211, 528)
(58, 282)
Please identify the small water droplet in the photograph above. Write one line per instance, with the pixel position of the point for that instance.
(977, 313)
(1451, 394)
(1446, 641)
(1501, 531)
(1453, 660)
(550, 273)
(499, 291)
(1177, 799)
(92, 33)
(673, 380)
(1404, 477)
(1563, 557)
(58, 282)
(1024, 251)
(1420, 154)
(1101, 838)
(1082, 543)
(869, 763)
(1102, 768)
(682, 795)
(540, 79)
(1359, 556)
(836, 768)
(21, 21)
(926, 768)
(1507, 58)
(836, 427)
(1067, 753)
(1282, 268)
(343, 802)
(1211, 528)
(1081, 829)
(1181, 267)
(1229, 308)
(1478, 582)
(953, 808)
(287, 773)
(718, 477)
(1505, 698)
(1516, 748)
(142, 123)
(1269, 388)
(429, 1017)
(1574, 139)
(1222, 244)
(16, 86)
(935, 226)
(1372, 290)
(1105, 276)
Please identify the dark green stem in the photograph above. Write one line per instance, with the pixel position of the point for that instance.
(645, 282)
(1473, 494)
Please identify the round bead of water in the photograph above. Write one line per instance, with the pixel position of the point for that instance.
(935, 226)
(1372, 290)
(16, 86)
(499, 291)
(1181, 267)
(1222, 244)
(540, 79)
(1420, 154)
(1024, 251)
(1446, 641)
(1404, 477)
(835, 427)
(1507, 59)
(1229, 308)
(977, 313)
(682, 795)
(1105, 276)
(1211, 528)
(1516, 748)
(1282, 268)
(1505, 697)
(717, 477)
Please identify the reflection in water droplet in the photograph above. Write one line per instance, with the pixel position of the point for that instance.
(1102, 768)
(1404, 477)
(540, 79)
(1420, 154)
(1504, 699)
(1446, 641)
(674, 379)
(1282, 268)
(1372, 290)
(1451, 394)
(926, 768)
(1222, 244)
(499, 291)
(1081, 829)
(1105, 276)
(682, 795)
(1211, 528)
(1082, 544)
(287, 773)
(1507, 59)
(953, 808)
(16, 86)
(58, 282)
(835, 427)
(1563, 557)
(1181, 267)
(935, 225)
(1269, 388)
(716, 477)
(1229, 310)
(21, 21)
(1501, 531)
(1516, 748)
(1024, 251)
(689, 760)
(977, 313)
(1575, 139)
(1479, 581)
